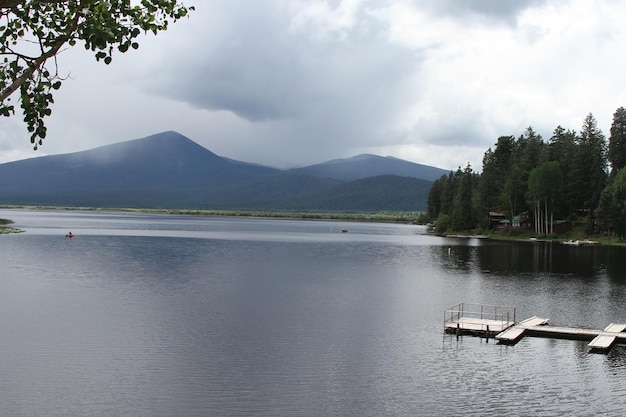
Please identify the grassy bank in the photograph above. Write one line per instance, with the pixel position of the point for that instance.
(383, 217)
(5, 228)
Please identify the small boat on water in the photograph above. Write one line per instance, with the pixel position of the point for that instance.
(344, 230)
(69, 235)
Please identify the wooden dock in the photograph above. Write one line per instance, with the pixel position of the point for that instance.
(467, 325)
(514, 333)
(508, 332)
(600, 340)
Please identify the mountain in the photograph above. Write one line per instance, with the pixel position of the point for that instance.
(365, 165)
(376, 194)
(162, 159)
(168, 170)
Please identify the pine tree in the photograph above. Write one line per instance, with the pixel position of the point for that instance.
(618, 203)
(590, 172)
(496, 168)
(562, 148)
(434, 197)
(529, 154)
(462, 218)
(617, 141)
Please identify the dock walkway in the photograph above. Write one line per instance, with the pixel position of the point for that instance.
(513, 334)
(600, 340)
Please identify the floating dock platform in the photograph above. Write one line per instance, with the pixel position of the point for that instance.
(478, 319)
(499, 322)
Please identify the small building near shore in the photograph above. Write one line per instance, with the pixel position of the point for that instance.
(495, 219)
(562, 226)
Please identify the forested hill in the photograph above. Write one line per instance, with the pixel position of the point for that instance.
(168, 170)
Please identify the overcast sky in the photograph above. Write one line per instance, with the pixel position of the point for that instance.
(291, 83)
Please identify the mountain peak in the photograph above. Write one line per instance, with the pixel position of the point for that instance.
(161, 142)
(356, 158)
(170, 151)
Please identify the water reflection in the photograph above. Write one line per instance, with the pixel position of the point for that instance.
(460, 258)
(531, 258)
(526, 258)
(614, 263)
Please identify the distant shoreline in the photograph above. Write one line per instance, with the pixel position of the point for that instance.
(383, 217)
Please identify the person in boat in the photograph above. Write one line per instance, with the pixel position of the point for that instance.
(69, 235)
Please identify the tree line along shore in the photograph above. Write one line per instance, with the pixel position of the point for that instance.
(533, 185)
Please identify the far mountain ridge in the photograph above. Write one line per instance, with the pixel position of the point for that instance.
(368, 165)
(168, 170)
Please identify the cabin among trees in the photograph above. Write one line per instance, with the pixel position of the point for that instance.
(543, 186)
(501, 225)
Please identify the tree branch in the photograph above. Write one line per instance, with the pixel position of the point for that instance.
(7, 4)
(38, 62)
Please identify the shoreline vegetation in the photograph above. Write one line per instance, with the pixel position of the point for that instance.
(5, 228)
(576, 236)
(415, 218)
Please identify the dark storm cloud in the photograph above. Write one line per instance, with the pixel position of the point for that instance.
(248, 70)
(263, 70)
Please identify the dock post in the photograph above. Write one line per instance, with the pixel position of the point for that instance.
(487, 333)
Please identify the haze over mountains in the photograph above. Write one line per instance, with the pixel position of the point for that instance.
(168, 170)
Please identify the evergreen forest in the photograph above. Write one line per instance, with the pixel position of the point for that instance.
(571, 176)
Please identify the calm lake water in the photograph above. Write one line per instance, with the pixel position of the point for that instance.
(149, 315)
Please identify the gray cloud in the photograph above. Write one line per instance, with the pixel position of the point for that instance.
(313, 88)
(502, 10)
(249, 70)
(264, 71)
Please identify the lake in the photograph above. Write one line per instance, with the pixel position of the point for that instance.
(171, 315)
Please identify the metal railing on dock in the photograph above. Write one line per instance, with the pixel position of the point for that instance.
(478, 318)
